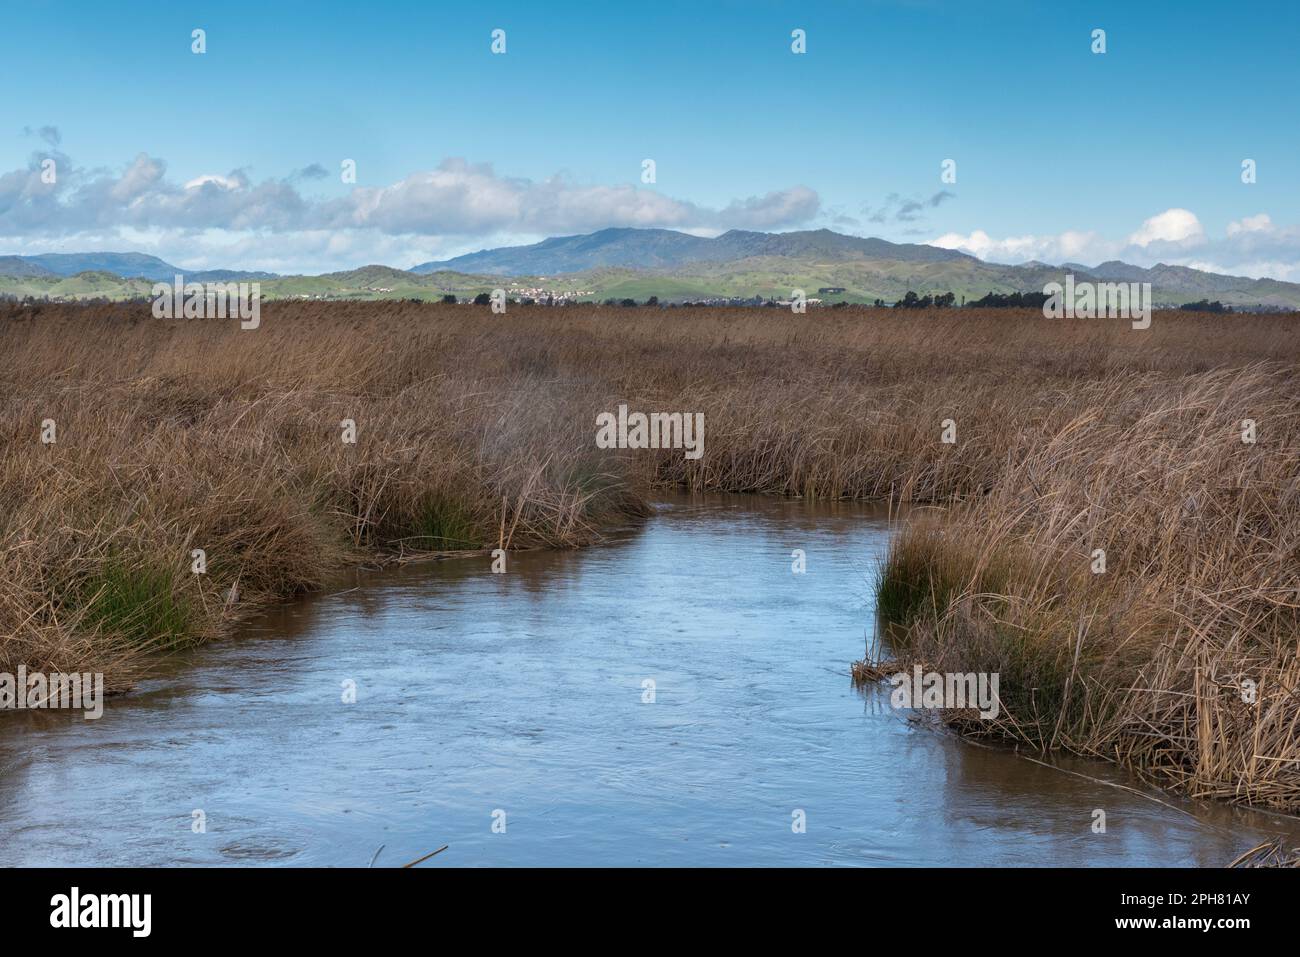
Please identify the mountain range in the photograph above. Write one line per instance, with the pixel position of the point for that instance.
(639, 263)
(661, 249)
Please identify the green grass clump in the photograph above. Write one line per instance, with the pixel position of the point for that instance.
(442, 523)
(139, 603)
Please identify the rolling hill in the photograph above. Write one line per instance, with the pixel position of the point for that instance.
(667, 249)
(127, 265)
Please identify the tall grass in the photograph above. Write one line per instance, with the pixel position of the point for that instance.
(1180, 659)
(477, 430)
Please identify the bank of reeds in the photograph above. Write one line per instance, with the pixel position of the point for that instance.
(474, 429)
(1134, 578)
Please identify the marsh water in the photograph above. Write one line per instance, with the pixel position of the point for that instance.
(678, 696)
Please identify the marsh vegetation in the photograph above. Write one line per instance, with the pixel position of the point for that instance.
(477, 431)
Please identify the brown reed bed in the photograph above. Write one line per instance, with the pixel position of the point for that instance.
(475, 430)
(1180, 658)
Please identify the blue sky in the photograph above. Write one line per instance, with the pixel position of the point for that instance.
(232, 158)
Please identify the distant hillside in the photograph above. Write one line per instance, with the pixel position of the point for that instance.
(376, 282)
(86, 285)
(1111, 271)
(639, 263)
(127, 265)
(227, 275)
(667, 249)
(1188, 285)
(764, 276)
(18, 266)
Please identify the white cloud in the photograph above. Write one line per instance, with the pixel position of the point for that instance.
(1253, 269)
(1172, 226)
(233, 181)
(457, 199)
(143, 175)
(1251, 224)
(1253, 246)
(1069, 245)
(782, 207)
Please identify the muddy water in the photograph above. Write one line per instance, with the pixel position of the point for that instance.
(524, 693)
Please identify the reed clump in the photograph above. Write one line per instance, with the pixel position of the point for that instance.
(1134, 578)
